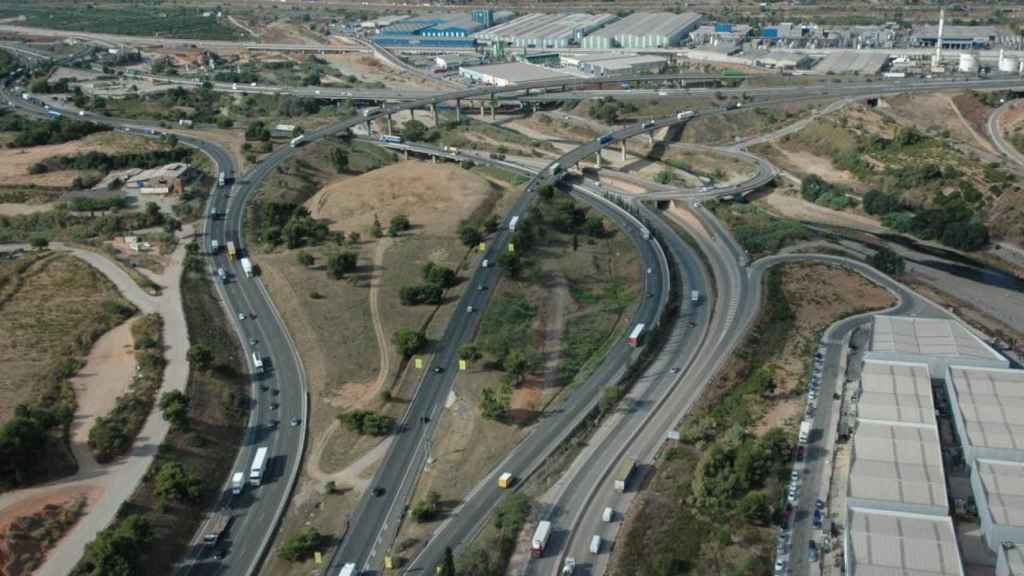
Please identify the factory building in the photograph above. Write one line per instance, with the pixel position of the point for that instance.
(864, 63)
(784, 31)
(439, 30)
(955, 37)
(998, 489)
(508, 74)
(455, 61)
(644, 30)
(988, 411)
(936, 342)
(545, 30)
(880, 543)
(720, 32)
(623, 64)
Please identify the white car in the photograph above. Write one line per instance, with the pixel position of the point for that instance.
(780, 566)
(317, 92)
(794, 494)
(253, 84)
(241, 315)
(234, 86)
(662, 93)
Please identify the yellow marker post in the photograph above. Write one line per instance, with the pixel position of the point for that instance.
(318, 558)
(463, 364)
(418, 362)
(511, 247)
(483, 247)
(388, 564)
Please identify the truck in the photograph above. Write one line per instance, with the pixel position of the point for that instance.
(605, 139)
(246, 267)
(237, 483)
(391, 139)
(512, 223)
(556, 168)
(684, 114)
(694, 296)
(648, 124)
(506, 480)
(348, 569)
(214, 246)
(222, 179)
(623, 473)
(54, 113)
(540, 538)
(215, 527)
(297, 141)
(259, 462)
(451, 149)
(232, 251)
(185, 123)
(645, 232)
(805, 431)
(608, 515)
(637, 335)
(570, 566)
(257, 363)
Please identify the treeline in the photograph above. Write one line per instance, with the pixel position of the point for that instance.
(26, 439)
(287, 223)
(822, 193)
(952, 219)
(609, 110)
(62, 223)
(94, 160)
(31, 132)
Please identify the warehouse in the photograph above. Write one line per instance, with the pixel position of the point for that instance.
(546, 30)
(936, 342)
(720, 31)
(779, 60)
(438, 30)
(988, 411)
(508, 74)
(455, 61)
(644, 30)
(998, 489)
(955, 37)
(865, 63)
(620, 64)
(897, 467)
(895, 392)
(879, 543)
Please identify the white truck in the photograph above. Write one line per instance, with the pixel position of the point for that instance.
(595, 544)
(214, 247)
(246, 267)
(297, 141)
(694, 296)
(215, 527)
(540, 538)
(237, 483)
(348, 570)
(805, 431)
(623, 473)
(513, 223)
(222, 179)
(259, 463)
(257, 363)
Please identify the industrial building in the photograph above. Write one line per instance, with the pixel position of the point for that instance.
(508, 74)
(936, 342)
(864, 63)
(998, 489)
(899, 392)
(720, 32)
(880, 543)
(779, 60)
(546, 30)
(606, 65)
(455, 61)
(784, 31)
(955, 37)
(644, 30)
(439, 30)
(382, 22)
(988, 411)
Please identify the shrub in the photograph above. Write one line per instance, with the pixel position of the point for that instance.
(367, 423)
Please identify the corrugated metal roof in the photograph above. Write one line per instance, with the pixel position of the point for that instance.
(516, 72)
(539, 26)
(896, 392)
(928, 336)
(650, 24)
(897, 463)
(893, 544)
(1004, 489)
(991, 402)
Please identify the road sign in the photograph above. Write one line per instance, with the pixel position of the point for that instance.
(318, 558)
(418, 362)
(388, 564)
(463, 364)
(511, 247)
(483, 246)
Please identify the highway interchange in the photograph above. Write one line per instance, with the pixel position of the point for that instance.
(721, 320)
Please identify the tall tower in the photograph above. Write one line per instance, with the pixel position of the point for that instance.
(937, 57)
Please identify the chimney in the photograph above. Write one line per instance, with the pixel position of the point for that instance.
(938, 43)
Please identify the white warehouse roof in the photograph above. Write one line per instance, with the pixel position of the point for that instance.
(1003, 483)
(898, 467)
(896, 392)
(510, 73)
(650, 24)
(990, 403)
(895, 544)
(937, 342)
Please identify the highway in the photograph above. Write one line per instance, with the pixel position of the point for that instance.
(994, 128)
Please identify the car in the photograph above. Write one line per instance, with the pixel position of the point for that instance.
(481, 288)
(794, 494)
(252, 84)
(253, 341)
(295, 422)
(675, 369)
(662, 93)
(812, 552)
(234, 86)
(469, 308)
(780, 566)
(317, 92)
(272, 424)
(438, 369)
(691, 323)
(378, 491)
(819, 504)
(794, 477)
(650, 270)
(274, 405)
(817, 520)
(241, 315)
(800, 453)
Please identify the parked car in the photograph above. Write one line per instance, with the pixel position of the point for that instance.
(817, 521)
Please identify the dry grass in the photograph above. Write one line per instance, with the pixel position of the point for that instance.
(51, 307)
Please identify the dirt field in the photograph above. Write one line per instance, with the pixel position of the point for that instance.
(931, 111)
(51, 514)
(367, 68)
(788, 203)
(662, 527)
(15, 162)
(53, 309)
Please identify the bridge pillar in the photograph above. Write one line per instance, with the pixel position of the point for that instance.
(387, 123)
(369, 128)
(482, 110)
(598, 159)
(458, 111)
(492, 111)
(623, 149)
(406, 153)
(433, 111)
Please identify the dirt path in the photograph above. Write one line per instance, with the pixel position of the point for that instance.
(243, 27)
(554, 325)
(981, 140)
(114, 483)
(357, 394)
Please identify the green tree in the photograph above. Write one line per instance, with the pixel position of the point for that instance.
(414, 131)
(200, 357)
(303, 545)
(512, 263)
(756, 507)
(470, 352)
(39, 242)
(517, 364)
(399, 223)
(174, 483)
(546, 192)
(118, 549)
(470, 235)
(888, 261)
(610, 398)
(492, 224)
(664, 177)
(409, 341)
(174, 405)
(438, 275)
(367, 423)
(447, 567)
(341, 264)
(495, 402)
(340, 159)
(305, 258)
(354, 238)
(427, 509)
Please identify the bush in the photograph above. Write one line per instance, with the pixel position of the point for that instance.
(303, 545)
(415, 295)
(341, 264)
(440, 276)
(887, 261)
(399, 223)
(118, 549)
(470, 235)
(174, 483)
(367, 423)
(174, 405)
(409, 341)
(427, 509)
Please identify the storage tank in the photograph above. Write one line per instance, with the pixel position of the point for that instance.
(968, 63)
(1009, 64)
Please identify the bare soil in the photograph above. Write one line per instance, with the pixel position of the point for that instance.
(15, 162)
(787, 202)
(369, 69)
(47, 312)
(53, 514)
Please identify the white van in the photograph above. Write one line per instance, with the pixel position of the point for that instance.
(486, 263)
(608, 514)
(595, 544)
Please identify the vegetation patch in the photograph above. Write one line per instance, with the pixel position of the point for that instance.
(759, 232)
(489, 555)
(29, 537)
(30, 132)
(134, 20)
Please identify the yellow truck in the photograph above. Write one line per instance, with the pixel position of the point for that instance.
(506, 480)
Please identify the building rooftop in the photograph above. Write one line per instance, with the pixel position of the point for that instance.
(650, 24)
(1014, 559)
(166, 172)
(852, 61)
(929, 337)
(953, 32)
(1003, 483)
(612, 64)
(895, 544)
(901, 464)
(896, 392)
(516, 72)
(546, 26)
(991, 403)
